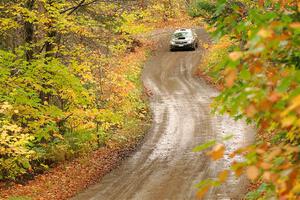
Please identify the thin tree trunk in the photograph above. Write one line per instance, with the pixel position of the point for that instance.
(29, 31)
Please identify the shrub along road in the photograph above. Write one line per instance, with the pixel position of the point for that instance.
(165, 167)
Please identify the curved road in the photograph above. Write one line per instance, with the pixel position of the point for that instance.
(165, 168)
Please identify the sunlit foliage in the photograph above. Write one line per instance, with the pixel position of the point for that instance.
(65, 87)
(261, 79)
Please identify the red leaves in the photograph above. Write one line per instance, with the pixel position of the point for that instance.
(261, 3)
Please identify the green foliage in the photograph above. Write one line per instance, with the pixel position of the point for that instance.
(63, 89)
(261, 79)
(202, 8)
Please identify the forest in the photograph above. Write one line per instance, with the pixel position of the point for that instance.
(63, 89)
(68, 86)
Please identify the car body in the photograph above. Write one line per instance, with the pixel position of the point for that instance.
(184, 39)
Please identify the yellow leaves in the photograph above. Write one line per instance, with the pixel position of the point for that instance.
(288, 121)
(265, 33)
(217, 152)
(205, 46)
(215, 52)
(295, 102)
(10, 127)
(57, 135)
(296, 189)
(5, 106)
(252, 172)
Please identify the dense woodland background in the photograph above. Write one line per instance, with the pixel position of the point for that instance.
(64, 90)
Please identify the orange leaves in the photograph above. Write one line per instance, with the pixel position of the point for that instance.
(274, 152)
(265, 165)
(252, 172)
(295, 25)
(256, 67)
(274, 97)
(203, 191)
(230, 77)
(265, 33)
(205, 185)
(251, 110)
(217, 152)
(236, 55)
(223, 176)
(266, 91)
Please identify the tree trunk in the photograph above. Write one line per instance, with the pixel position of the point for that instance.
(29, 31)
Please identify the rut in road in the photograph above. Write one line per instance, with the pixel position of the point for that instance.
(165, 168)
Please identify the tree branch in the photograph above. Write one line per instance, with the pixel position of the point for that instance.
(74, 8)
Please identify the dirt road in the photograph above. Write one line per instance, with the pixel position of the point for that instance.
(165, 168)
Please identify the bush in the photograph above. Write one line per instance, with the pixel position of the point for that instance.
(261, 79)
(15, 153)
(202, 9)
